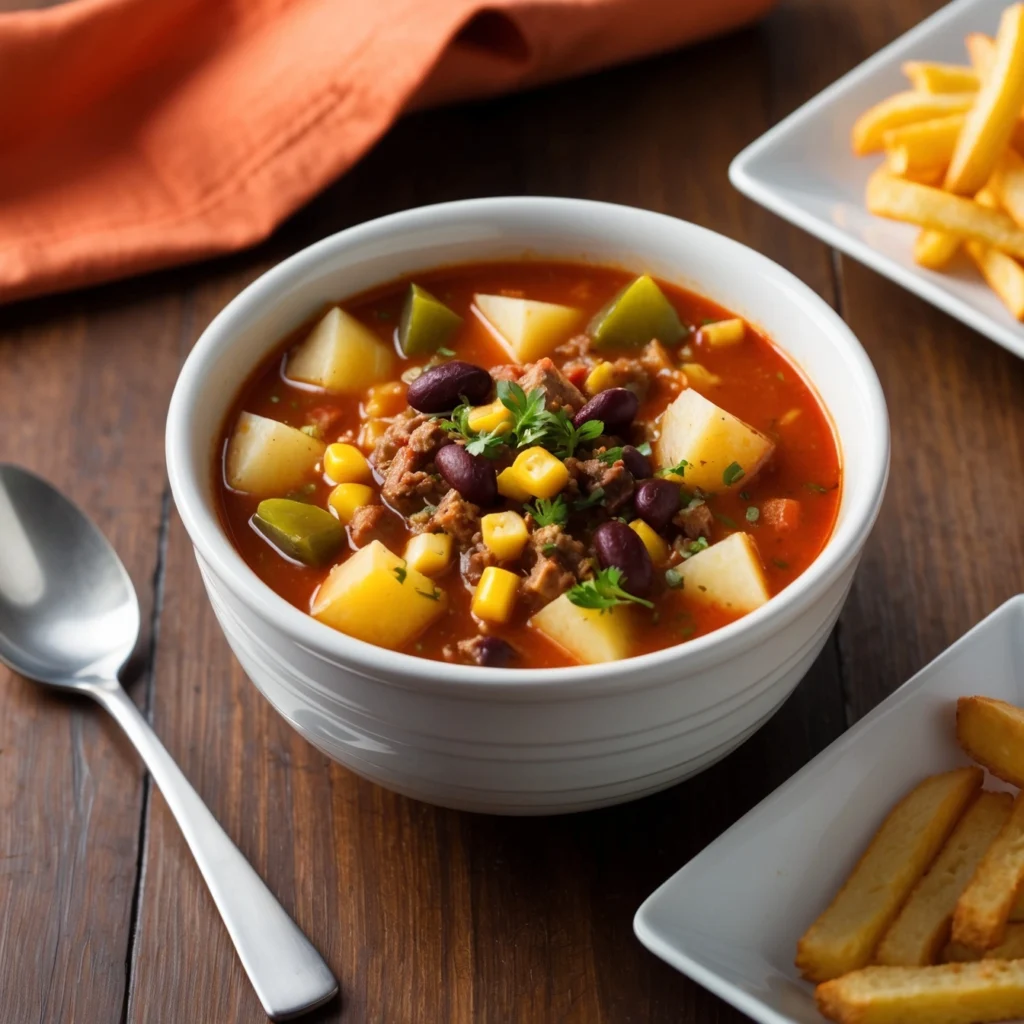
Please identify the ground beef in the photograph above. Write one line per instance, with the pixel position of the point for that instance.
(405, 454)
(490, 651)
(656, 359)
(508, 371)
(559, 391)
(576, 347)
(587, 475)
(556, 561)
(327, 419)
(695, 522)
(366, 523)
(458, 517)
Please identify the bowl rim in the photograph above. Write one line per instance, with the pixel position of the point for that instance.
(340, 650)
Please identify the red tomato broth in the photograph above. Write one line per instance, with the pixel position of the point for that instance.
(757, 384)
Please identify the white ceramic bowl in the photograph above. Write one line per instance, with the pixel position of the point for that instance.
(546, 740)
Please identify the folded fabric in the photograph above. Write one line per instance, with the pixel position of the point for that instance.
(136, 134)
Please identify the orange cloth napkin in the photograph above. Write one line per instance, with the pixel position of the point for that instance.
(135, 134)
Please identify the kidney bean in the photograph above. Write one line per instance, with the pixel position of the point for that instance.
(617, 545)
(443, 387)
(615, 408)
(493, 652)
(638, 464)
(472, 476)
(657, 501)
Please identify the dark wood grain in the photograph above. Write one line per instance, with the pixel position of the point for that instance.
(427, 914)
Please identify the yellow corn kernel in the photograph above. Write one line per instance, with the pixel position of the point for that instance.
(495, 595)
(700, 376)
(510, 486)
(657, 546)
(504, 533)
(346, 464)
(723, 333)
(429, 553)
(493, 416)
(788, 417)
(346, 498)
(385, 399)
(601, 378)
(540, 473)
(370, 432)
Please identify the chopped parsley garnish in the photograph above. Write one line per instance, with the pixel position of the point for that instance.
(431, 595)
(780, 375)
(707, 320)
(446, 352)
(549, 549)
(674, 578)
(817, 488)
(549, 511)
(725, 520)
(612, 455)
(693, 547)
(275, 398)
(563, 438)
(488, 443)
(679, 469)
(733, 473)
(400, 572)
(529, 414)
(779, 563)
(745, 495)
(593, 498)
(311, 430)
(753, 513)
(604, 592)
(429, 509)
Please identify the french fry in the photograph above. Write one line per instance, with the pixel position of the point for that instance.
(1017, 910)
(1003, 274)
(888, 196)
(925, 143)
(981, 51)
(905, 108)
(921, 928)
(991, 732)
(844, 937)
(990, 990)
(1007, 185)
(1011, 948)
(934, 249)
(983, 909)
(991, 120)
(926, 76)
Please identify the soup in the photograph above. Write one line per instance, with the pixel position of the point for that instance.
(527, 464)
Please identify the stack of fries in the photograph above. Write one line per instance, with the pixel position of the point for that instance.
(953, 160)
(929, 927)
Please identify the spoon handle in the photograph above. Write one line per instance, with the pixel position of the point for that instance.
(288, 974)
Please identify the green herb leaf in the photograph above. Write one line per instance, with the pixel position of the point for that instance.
(400, 572)
(780, 375)
(488, 443)
(779, 563)
(733, 472)
(595, 497)
(446, 352)
(753, 513)
(311, 430)
(434, 595)
(604, 592)
(530, 419)
(275, 399)
(674, 578)
(429, 509)
(679, 469)
(610, 456)
(726, 520)
(817, 488)
(693, 547)
(745, 495)
(549, 511)
(645, 448)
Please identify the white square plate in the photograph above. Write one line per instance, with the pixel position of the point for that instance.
(730, 918)
(803, 170)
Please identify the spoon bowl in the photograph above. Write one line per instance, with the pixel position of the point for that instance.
(68, 610)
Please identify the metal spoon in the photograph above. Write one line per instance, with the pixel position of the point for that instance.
(69, 617)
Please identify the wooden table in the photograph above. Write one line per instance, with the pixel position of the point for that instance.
(429, 915)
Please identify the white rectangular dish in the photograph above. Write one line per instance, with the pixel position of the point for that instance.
(803, 170)
(730, 918)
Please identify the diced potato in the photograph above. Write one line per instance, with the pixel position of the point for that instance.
(638, 314)
(346, 498)
(657, 546)
(493, 416)
(429, 553)
(720, 448)
(589, 634)
(505, 534)
(346, 464)
(427, 323)
(341, 355)
(374, 596)
(723, 333)
(495, 595)
(540, 473)
(269, 458)
(529, 329)
(727, 574)
(510, 486)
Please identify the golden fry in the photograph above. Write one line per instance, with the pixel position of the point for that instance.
(990, 990)
(926, 76)
(984, 906)
(981, 49)
(1011, 948)
(934, 249)
(1017, 910)
(1007, 187)
(991, 732)
(892, 197)
(905, 108)
(921, 928)
(1003, 274)
(926, 143)
(844, 937)
(991, 121)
